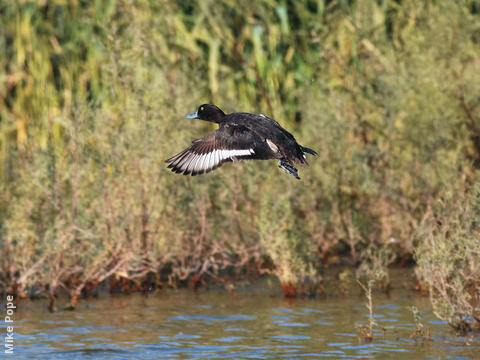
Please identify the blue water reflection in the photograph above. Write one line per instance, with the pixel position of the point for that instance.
(219, 325)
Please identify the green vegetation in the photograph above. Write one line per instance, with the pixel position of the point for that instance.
(365, 332)
(93, 97)
(421, 332)
(448, 257)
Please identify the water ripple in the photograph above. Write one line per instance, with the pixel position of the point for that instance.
(189, 317)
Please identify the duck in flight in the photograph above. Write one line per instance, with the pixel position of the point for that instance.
(240, 136)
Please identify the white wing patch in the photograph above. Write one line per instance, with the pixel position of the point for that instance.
(199, 163)
(225, 154)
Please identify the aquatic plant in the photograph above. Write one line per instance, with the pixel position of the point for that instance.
(421, 331)
(365, 332)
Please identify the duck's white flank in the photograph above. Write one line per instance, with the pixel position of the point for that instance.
(272, 146)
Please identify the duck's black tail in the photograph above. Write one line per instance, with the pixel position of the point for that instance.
(308, 150)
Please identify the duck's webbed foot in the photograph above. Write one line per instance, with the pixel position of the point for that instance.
(289, 169)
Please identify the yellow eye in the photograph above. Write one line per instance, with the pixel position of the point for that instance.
(201, 108)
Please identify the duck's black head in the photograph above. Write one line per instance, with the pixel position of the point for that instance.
(208, 112)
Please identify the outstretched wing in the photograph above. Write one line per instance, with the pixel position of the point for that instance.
(230, 142)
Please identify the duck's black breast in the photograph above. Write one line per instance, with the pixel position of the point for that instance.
(274, 137)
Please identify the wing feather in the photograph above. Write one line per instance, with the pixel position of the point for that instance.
(229, 143)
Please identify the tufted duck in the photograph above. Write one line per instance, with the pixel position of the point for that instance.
(240, 136)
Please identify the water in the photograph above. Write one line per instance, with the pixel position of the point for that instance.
(255, 323)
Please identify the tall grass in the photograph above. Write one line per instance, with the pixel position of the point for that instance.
(93, 98)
